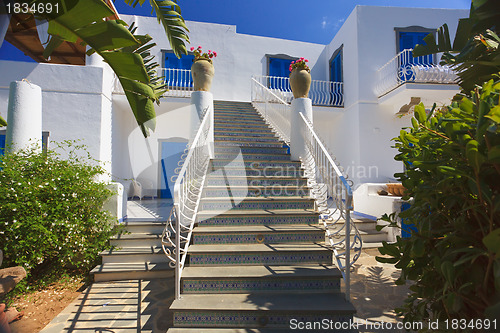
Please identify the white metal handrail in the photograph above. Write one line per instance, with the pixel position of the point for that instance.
(333, 194)
(321, 93)
(188, 188)
(406, 68)
(330, 187)
(273, 108)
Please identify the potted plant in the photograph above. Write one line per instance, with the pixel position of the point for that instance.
(202, 69)
(300, 78)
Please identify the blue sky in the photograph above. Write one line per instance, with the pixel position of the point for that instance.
(314, 21)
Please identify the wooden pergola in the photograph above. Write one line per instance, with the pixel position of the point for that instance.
(22, 33)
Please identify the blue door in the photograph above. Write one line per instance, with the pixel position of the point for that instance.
(177, 78)
(171, 153)
(336, 75)
(279, 67)
(408, 40)
(406, 228)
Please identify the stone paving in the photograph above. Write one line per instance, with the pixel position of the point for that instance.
(142, 305)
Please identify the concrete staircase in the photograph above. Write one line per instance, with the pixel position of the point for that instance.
(137, 253)
(258, 260)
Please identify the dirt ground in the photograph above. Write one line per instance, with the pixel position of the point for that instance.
(42, 306)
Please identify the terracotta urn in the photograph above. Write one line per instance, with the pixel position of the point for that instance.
(396, 189)
(202, 71)
(300, 81)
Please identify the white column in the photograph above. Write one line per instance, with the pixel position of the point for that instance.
(201, 103)
(4, 26)
(297, 145)
(24, 116)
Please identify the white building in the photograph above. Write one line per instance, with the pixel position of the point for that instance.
(356, 118)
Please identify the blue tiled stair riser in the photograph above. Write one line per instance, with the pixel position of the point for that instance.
(268, 191)
(257, 181)
(260, 220)
(265, 205)
(251, 320)
(260, 285)
(277, 258)
(266, 238)
(250, 150)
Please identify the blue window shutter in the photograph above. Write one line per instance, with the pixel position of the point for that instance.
(279, 67)
(336, 68)
(2, 143)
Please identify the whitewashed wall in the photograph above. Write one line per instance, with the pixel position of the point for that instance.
(360, 133)
(74, 104)
(239, 56)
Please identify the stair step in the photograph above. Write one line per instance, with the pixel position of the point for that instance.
(244, 139)
(228, 125)
(259, 254)
(147, 226)
(257, 217)
(219, 163)
(242, 203)
(255, 170)
(259, 310)
(253, 156)
(134, 255)
(245, 133)
(253, 279)
(278, 151)
(240, 143)
(256, 191)
(132, 271)
(136, 240)
(258, 234)
(217, 179)
(241, 120)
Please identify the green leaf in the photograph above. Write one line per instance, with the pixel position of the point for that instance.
(494, 154)
(476, 159)
(448, 271)
(494, 114)
(420, 113)
(385, 260)
(492, 242)
(2, 122)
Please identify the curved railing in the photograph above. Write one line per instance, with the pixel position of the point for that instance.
(179, 82)
(406, 68)
(321, 93)
(188, 188)
(329, 185)
(273, 108)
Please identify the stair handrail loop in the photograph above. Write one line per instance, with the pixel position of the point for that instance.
(318, 158)
(187, 195)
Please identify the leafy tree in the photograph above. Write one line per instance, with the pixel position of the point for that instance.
(452, 161)
(127, 53)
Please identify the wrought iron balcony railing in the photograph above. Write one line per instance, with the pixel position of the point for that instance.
(322, 93)
(406, 68)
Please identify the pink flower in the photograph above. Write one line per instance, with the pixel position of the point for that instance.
(199, 47)
(215, 54)
(192, 48)
(306, 60)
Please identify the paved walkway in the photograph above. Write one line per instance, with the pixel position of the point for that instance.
(142, 306)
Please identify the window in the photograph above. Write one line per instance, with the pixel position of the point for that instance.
(176, 71)
(407, 38)
(3, 137)
(336, 77)
(336, 74)
(278, 67)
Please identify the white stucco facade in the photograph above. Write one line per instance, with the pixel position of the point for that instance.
(78, 101)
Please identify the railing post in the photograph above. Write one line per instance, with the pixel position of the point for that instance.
(297, 141)
(202, 103)
(177, 252)
(347, 265)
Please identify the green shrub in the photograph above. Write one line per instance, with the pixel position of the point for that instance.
(51, 216)
(452, 161)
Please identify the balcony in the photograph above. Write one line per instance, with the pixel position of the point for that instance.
(322, 93)
(404, 77)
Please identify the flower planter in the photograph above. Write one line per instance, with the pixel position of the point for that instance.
(202, 71)
(300, 81)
